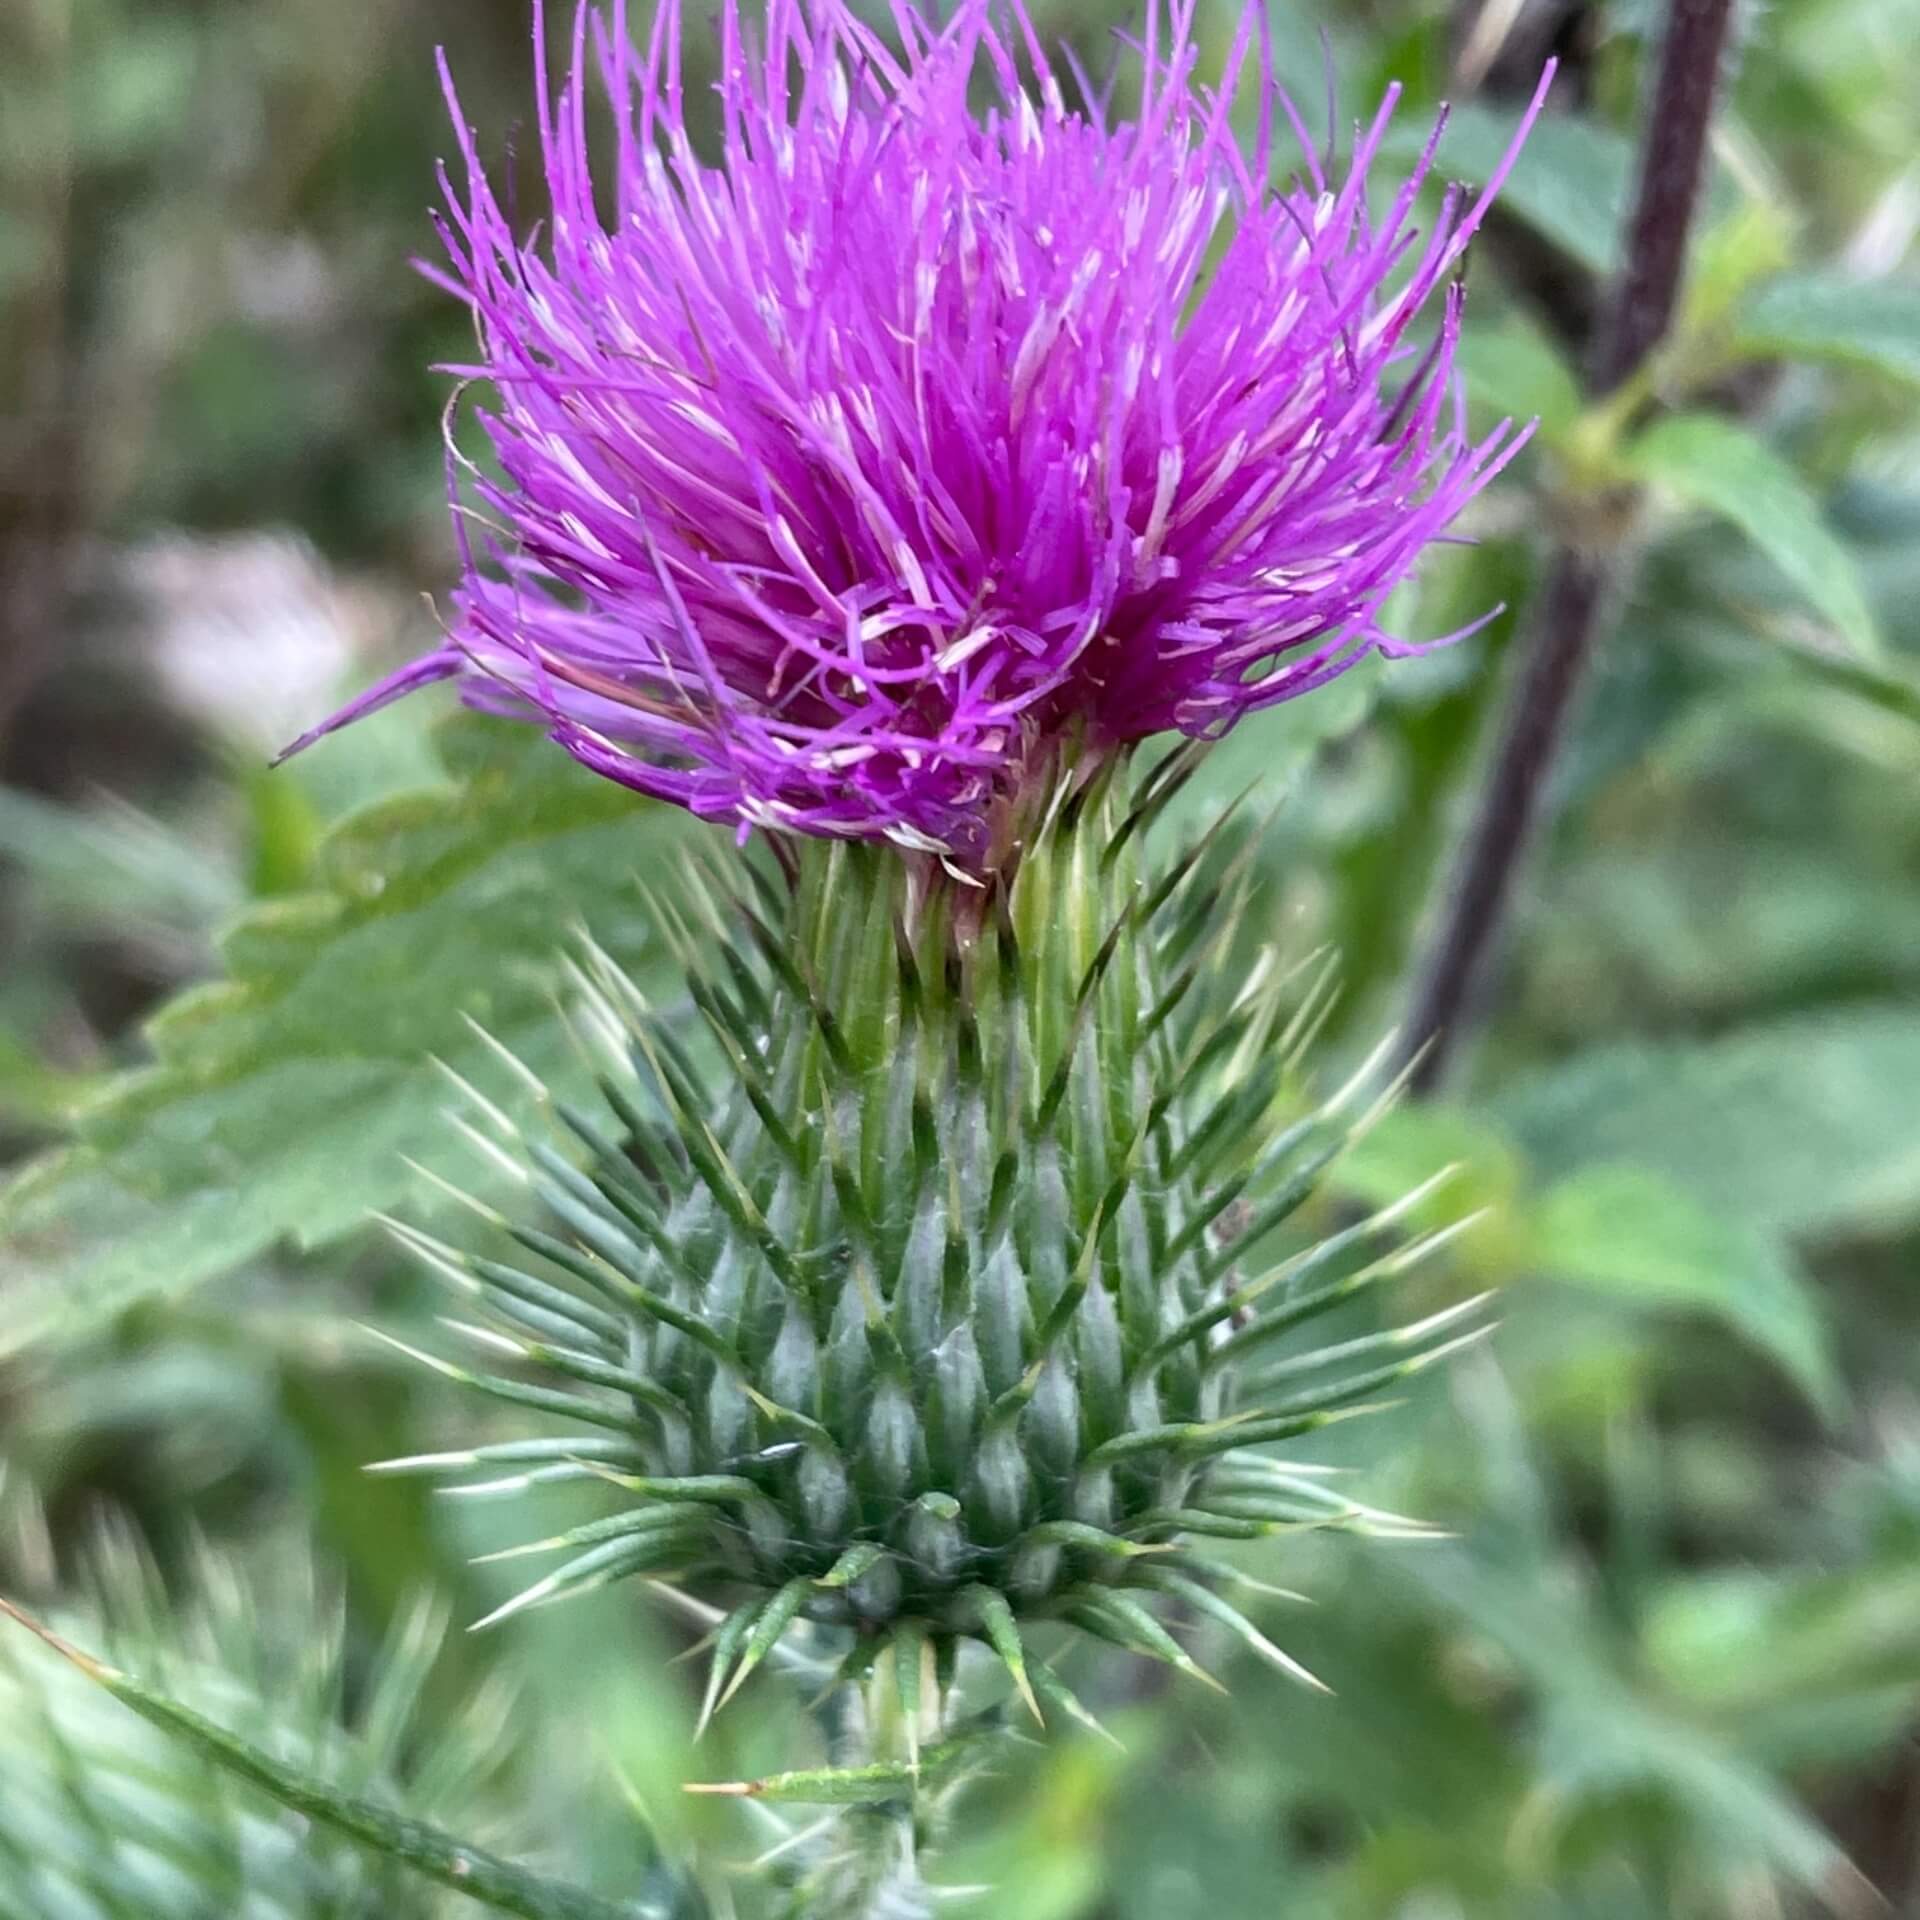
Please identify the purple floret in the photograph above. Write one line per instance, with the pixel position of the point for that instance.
(839, 480)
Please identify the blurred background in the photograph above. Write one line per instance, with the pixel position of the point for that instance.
(1669, 1661)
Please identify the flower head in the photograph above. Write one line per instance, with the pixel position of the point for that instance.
(838, 478)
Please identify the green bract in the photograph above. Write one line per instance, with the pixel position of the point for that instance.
(104, 1818)
(933, 1276)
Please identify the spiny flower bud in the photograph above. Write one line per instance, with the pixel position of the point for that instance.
(838, 480)
(945, 1280)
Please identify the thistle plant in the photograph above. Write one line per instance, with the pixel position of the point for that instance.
(932, 1292)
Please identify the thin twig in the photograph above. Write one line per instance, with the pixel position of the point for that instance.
(1581, 585)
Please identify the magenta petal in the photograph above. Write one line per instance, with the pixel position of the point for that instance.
(835, 478)
(443, 663)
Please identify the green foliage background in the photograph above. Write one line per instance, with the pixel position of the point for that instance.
(1669, 1663)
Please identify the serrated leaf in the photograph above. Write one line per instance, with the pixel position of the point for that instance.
(1822, 316)
(1631, 1234)
(282, 1100)
(1711, 463)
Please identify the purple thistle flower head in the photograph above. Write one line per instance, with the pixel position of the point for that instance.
(841, 480)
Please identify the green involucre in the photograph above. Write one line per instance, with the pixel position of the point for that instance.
(933, 1275)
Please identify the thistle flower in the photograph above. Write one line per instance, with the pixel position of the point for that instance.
(838, 481)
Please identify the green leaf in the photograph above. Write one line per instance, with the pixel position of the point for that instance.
(110, 863)
(1514, 371)
(434, 1855)
(1570, 184)
(1598, 1732)
(282, 1099)
(34, 1092)
(1630, 1234)
(1755, 240)
(1746, 1639)
(1712, 463)
(1412, 1141)
(1891, 685)
(1821, 316)
(1805, 1127)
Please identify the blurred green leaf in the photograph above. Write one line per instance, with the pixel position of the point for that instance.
(1822, 316)
(283, 1098)
(1411, 1141)
(1748, 1638)
(1514, 371)
(1571, 182)
(1891, 686)
(1628, 1233)
(1045, 1852)
(1754, 239)
(1711, 924)
(1709, 462)
(1599, 1734)
(114, 863)
(33, 1091)
(1806, 1126)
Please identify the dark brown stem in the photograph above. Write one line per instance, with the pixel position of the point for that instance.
(1568, 616)
(39, 410)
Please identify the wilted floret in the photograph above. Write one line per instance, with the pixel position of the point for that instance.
(839, 478)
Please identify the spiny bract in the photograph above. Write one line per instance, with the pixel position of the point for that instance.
(105, 1818)
(934, 1281)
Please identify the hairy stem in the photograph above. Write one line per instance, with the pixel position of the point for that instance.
(1569, 615)
(870, 1867)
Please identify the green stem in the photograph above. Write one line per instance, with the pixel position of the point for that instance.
(870, 1862)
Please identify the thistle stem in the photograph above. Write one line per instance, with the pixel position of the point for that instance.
(1581, 585)
(870, 1867)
